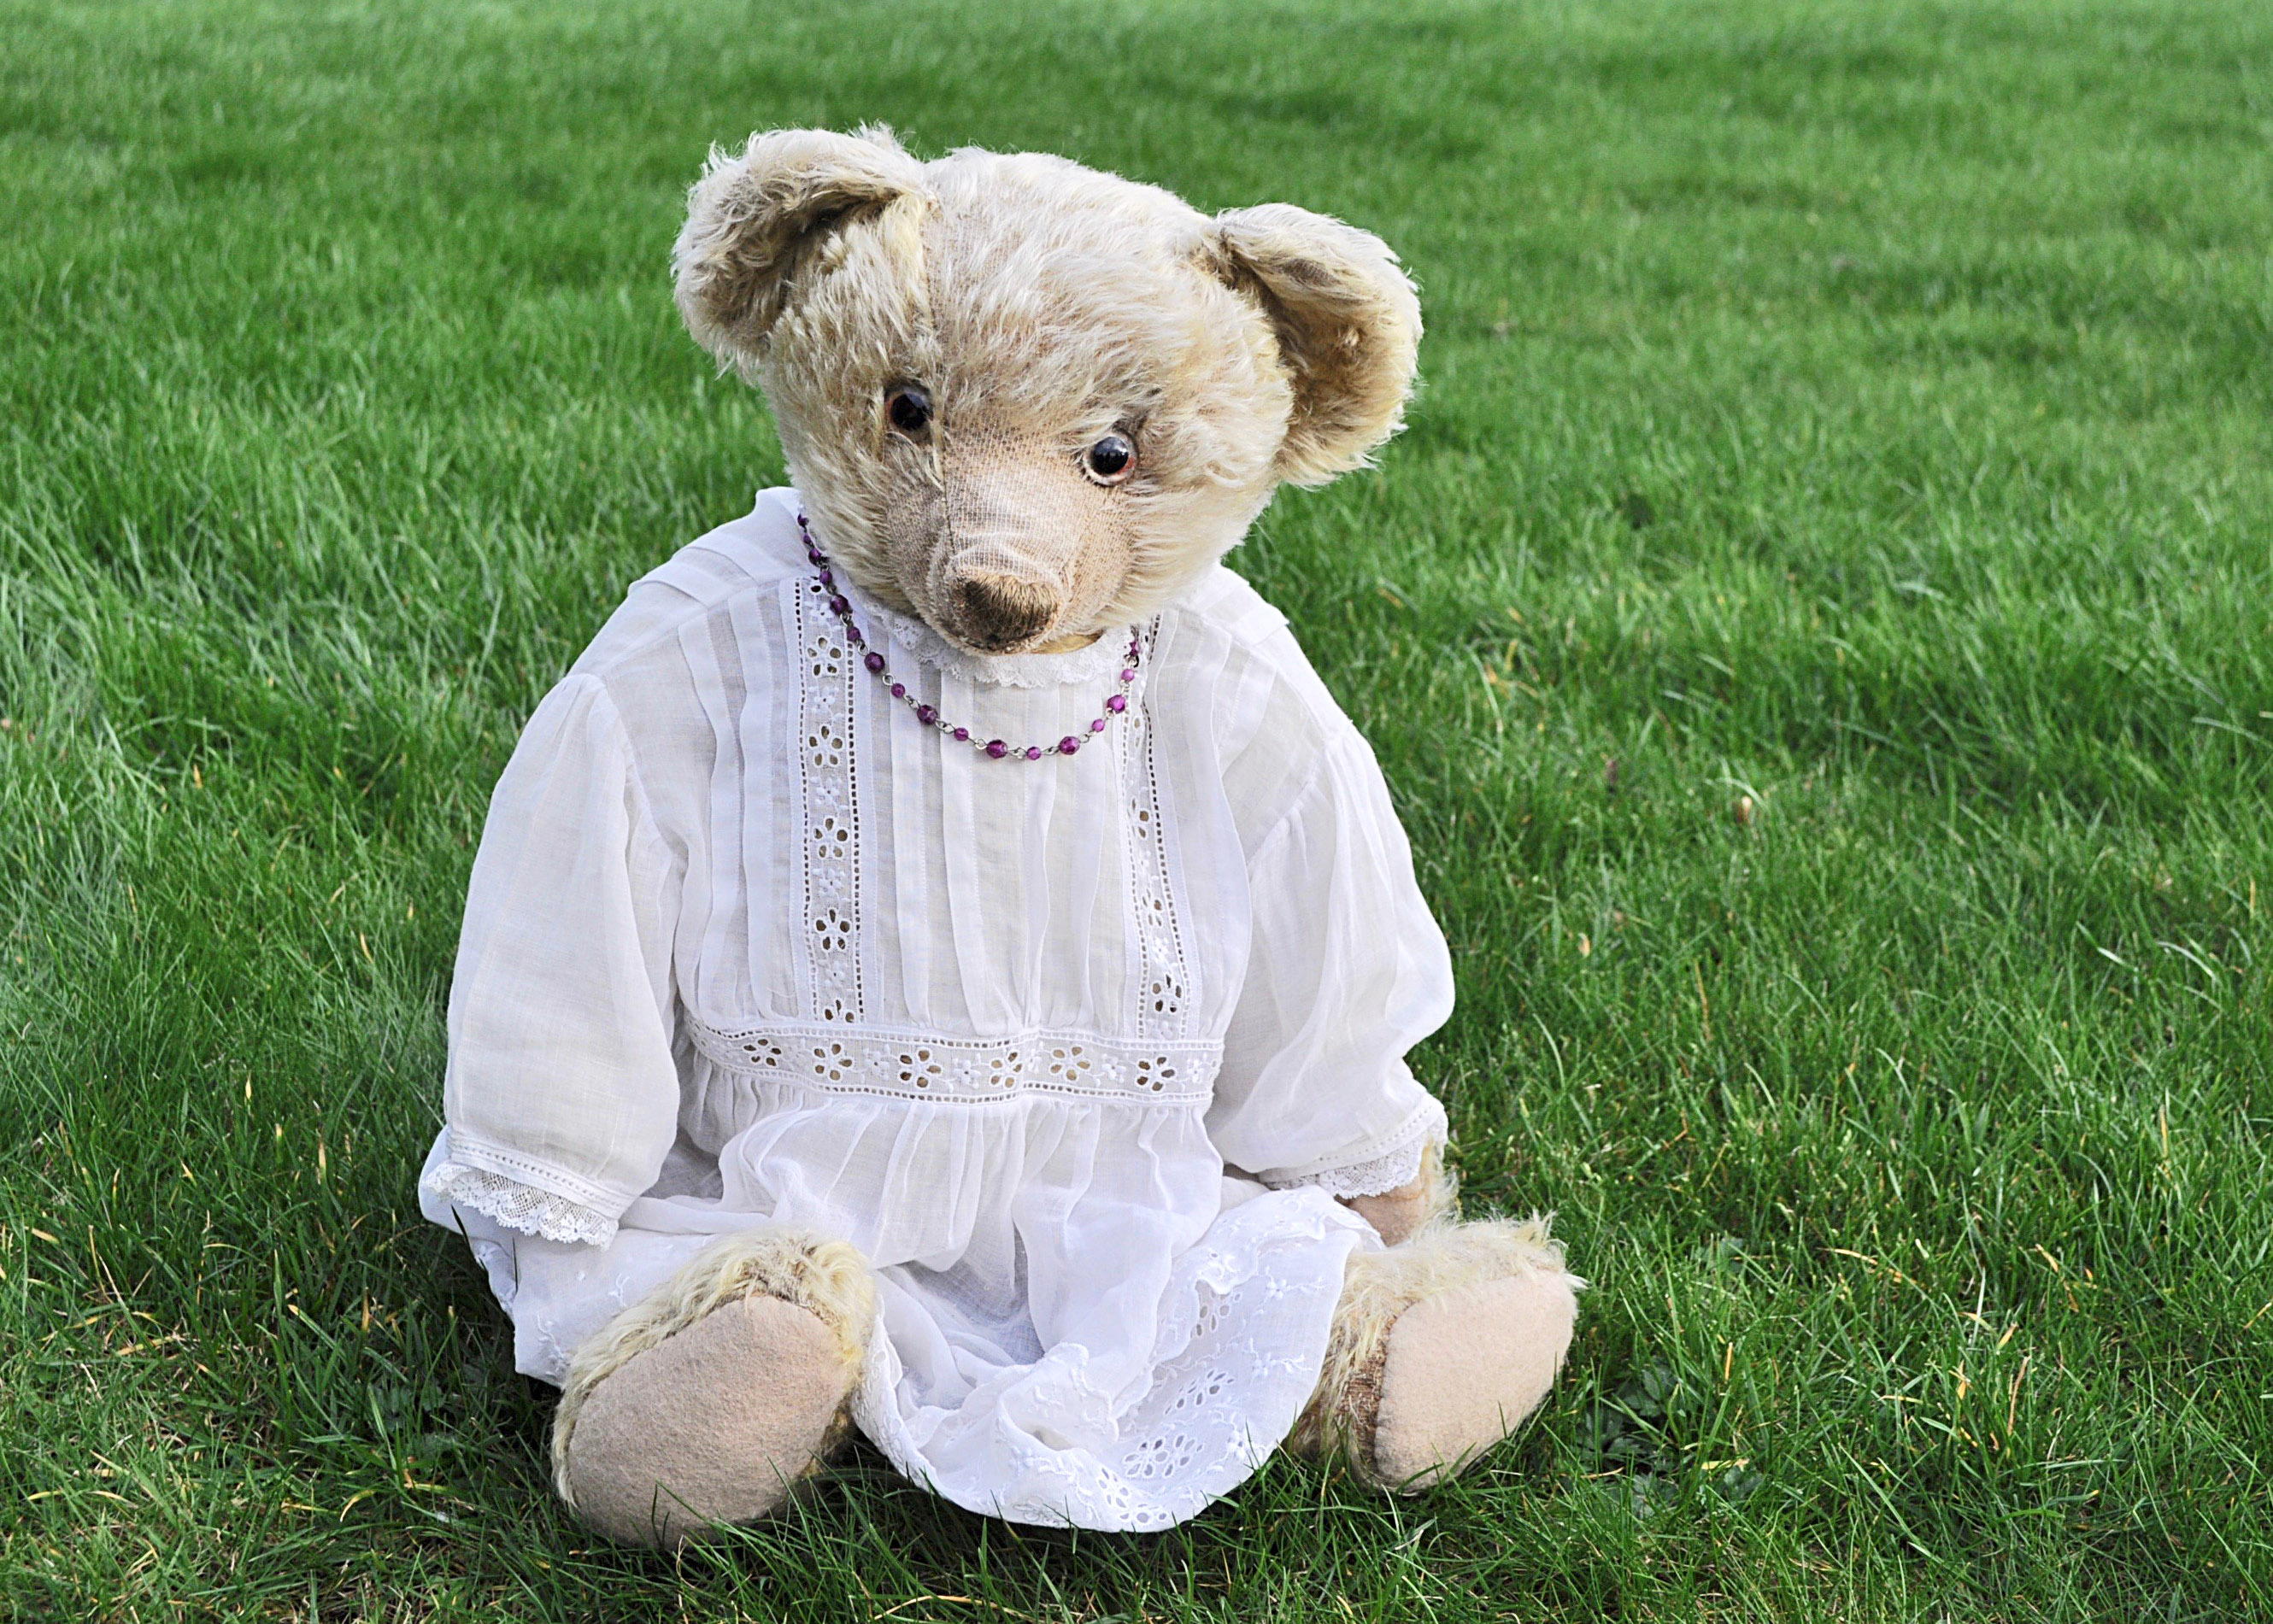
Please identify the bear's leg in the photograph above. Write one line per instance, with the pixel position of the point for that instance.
(1441, 1347)
(706, 1401)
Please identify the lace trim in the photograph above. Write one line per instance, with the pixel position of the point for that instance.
(916, 1065)
(1099, 660)
(512, 1205)
(1377, 1175)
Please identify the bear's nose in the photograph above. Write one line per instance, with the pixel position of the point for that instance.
(1002, 612)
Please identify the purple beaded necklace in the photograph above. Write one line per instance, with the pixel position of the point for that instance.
(995, 749)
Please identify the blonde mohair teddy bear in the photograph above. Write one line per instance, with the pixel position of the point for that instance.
(940, 963)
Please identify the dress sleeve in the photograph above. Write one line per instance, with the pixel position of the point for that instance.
(1347, 971)
(562, 1096)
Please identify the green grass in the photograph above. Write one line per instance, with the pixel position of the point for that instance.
(1859, 409)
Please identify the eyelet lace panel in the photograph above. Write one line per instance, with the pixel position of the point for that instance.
(516, 1206)
(917, 1065)
(829, 940)
(1164, 983)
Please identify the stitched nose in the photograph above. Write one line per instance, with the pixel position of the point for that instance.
(1003, 611)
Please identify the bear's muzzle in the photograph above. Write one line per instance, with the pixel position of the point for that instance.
(1000, 613)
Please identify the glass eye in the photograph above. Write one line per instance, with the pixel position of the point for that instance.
(909, 407)
(1111, 460)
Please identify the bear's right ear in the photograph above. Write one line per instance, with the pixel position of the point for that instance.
(750, 213)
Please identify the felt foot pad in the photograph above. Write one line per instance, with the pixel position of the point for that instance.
(711, 1424)
(1464, 1368)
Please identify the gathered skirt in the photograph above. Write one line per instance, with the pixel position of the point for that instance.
(1082, 1321)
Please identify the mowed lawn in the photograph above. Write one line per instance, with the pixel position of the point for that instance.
(1819, 627)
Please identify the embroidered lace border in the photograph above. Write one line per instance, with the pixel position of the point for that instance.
(910, 1065)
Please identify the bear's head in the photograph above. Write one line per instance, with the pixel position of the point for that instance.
(1025, 401)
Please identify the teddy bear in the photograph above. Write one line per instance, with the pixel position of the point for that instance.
(940, 963)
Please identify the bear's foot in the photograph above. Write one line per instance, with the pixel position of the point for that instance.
(1441, 1347)
(710, 1400)
(1465, 1368)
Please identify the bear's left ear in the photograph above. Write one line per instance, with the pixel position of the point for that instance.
(752, 211)
(1349, 326)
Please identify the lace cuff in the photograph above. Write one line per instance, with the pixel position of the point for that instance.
(512, 1205)
(1389, 1168)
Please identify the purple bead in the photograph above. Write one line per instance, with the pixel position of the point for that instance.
(962, 736)
(852, 634)
(1069, 745)
(926, 714)
(1033, 752)
(838, 606)
(829, 578)
(996, 748)
(1118, 703)
(1127, 674)
(1098, 726)
(874, 661)
(899, 691)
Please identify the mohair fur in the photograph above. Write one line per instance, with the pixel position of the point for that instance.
(827, 1278)
(1444, 1256)
(1041, 305)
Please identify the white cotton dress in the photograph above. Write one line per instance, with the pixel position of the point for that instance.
(1077, 1052)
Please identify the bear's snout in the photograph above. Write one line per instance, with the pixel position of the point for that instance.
(1001, 612)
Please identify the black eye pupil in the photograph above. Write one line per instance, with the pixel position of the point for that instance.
(910, 410)
(1110, 455)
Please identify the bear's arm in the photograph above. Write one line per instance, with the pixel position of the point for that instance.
(1347, 971)
(562, 1094)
